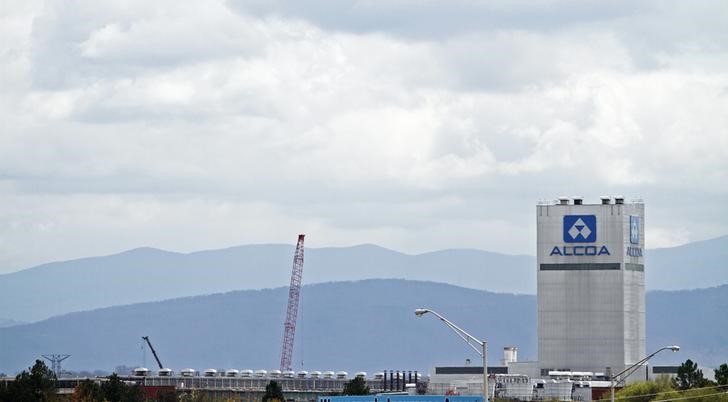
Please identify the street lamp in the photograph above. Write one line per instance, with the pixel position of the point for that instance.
(469, 339)
(631, 369)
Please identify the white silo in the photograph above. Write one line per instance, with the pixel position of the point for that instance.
(510, 355)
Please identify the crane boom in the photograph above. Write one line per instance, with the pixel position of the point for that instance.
(146, 338)
(289, 327)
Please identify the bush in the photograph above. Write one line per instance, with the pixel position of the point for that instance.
(644, 391)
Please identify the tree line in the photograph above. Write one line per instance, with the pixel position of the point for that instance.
(689, 384)
(39, 384)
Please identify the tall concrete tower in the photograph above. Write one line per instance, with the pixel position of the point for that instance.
(591, 285)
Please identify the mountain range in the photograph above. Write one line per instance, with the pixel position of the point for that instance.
(364, 325)
(147, 274)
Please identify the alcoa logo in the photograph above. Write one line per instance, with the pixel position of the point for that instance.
(580, 229)
(634, 229)
(634, 237)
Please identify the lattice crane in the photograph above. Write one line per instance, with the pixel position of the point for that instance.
(294, 292)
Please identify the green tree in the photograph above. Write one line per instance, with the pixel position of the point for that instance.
(721, 374)
(35, 385)
(356, 386)
(689, 376)
(113, 389)
(132, 393)
(273, 392)
(87, 391)
(169, 396)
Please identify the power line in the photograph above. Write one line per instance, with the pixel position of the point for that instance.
(662, 393)
(692, 397)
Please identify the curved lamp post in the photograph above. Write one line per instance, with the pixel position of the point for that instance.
(631, 369)
(470, 340)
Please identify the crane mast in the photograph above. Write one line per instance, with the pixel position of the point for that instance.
(289, 327)
(146, 338)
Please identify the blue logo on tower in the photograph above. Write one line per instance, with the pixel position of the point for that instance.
(634, 229)
(634, 237)
(580, 228)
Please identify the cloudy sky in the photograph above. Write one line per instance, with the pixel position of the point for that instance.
(415, 125)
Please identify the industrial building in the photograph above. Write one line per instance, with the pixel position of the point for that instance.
(591, 306)
(591, 324)
(247, 384)
(591, 285)
(400, 398)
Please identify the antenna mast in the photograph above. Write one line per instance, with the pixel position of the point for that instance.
(289, 327)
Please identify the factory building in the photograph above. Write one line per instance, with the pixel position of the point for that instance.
(591, 285)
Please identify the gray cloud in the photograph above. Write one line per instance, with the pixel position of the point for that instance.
(438, 20)
(416, 127)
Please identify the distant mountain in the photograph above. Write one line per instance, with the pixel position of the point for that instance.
(690, 266)
(6, 322)
(366, 325)
(697, 320)
(148, 274)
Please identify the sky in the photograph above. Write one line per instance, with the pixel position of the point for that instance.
(414, 125)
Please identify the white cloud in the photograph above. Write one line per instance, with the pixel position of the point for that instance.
(132, 124)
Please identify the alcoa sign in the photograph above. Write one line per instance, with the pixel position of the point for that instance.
(580, 229)
(579, 250)
(634, 237)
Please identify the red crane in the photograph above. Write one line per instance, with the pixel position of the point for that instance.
(289, 327)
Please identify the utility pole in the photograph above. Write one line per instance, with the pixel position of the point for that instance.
(472, 341)
(56, 360)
